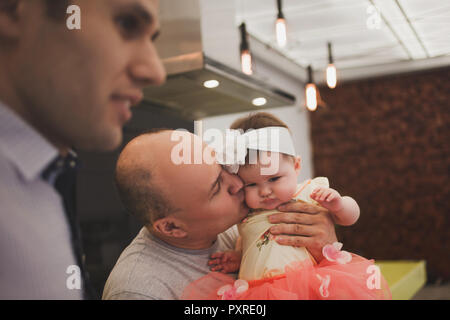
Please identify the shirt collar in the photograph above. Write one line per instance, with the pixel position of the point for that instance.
(25, 148)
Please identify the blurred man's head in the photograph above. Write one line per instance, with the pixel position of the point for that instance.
(77, 86)
(185, 204)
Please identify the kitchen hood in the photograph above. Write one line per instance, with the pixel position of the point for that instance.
(199, 42)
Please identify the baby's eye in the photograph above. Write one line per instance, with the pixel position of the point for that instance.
(250, 185)
(274, 179)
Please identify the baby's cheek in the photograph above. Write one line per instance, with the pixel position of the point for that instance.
(287, 191)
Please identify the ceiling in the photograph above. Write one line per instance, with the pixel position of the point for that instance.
(362, 32)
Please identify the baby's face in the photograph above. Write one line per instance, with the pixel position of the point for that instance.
(269, 191)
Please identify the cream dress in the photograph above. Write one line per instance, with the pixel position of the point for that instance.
(262, 256)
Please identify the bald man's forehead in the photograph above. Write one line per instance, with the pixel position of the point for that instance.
(169, 149)
(145, 144)
(190, 184)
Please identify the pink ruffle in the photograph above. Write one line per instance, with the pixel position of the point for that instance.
(302, 281)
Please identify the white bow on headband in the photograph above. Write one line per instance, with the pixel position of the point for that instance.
(233, 152)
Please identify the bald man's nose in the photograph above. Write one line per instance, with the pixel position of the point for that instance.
(234, 183)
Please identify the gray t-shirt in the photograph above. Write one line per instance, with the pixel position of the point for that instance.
(149, 268)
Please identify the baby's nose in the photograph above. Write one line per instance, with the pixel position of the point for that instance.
(264, 191)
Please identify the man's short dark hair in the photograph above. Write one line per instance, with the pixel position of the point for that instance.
(140, 194)
(56, 9)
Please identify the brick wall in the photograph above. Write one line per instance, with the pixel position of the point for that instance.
(386, 142)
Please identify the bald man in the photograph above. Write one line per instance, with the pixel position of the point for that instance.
(189, 211)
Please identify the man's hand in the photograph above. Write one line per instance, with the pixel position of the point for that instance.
(303, 225)
(225, 262)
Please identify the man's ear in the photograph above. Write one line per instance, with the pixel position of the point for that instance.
(10, 11)
(297, 164)
(170, 227)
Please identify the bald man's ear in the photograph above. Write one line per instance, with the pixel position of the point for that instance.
(170, 227)
(9, 18)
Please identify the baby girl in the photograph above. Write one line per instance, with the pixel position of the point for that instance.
(268, 270)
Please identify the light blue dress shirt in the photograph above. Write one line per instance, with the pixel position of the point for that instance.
(36, 256)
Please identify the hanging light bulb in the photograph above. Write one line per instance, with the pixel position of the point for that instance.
(331, 76)
(311, 96)
(246, 62)
(331, 70)
(246, 57)
(280, 27)
(311, 92)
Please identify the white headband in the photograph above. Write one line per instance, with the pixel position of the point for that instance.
(233, 152)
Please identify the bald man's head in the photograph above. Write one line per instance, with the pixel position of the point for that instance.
(138, 177)
(186, 202)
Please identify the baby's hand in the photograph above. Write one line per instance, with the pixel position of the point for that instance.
(225, 262)
(328, 198)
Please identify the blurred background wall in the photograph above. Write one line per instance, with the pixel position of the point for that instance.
(385, 142)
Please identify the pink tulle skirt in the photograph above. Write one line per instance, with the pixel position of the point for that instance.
(356, 280)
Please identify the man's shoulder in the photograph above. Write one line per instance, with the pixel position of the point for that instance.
(151, 269)
(139, 272)
(135, 286)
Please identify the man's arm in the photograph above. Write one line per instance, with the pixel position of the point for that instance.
(303, 225)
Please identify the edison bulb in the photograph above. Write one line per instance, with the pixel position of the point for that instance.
(311, 96)
(331, 76)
